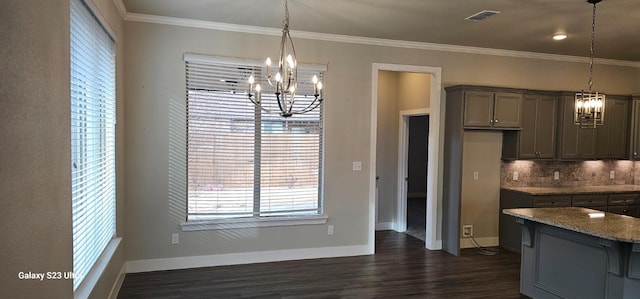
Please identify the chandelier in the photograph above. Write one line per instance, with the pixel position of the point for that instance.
(285, 81)
(589, 104)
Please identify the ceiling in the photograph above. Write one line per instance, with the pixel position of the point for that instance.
(521, 26)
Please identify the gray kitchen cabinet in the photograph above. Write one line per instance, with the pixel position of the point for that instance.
(612, 135)
(635, 128)
(591, 201)
(574, 143)
(487, 109)
(537, 139)
(510, 234)
(624, 204)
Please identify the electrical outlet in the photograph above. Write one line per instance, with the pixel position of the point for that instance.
(515, 175)
(330, 230)
(175, 238)
(476, 176)
(556, 175)
(357, 166)
(467, 231)
(612, 174)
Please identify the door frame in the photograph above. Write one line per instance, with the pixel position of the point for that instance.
(434, 170)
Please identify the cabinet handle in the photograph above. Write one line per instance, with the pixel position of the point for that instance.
(495, 121)
(635, 153)
(491, 121)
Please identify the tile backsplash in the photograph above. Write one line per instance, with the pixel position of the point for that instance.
(579, 173)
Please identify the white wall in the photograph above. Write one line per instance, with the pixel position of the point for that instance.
(155, 92)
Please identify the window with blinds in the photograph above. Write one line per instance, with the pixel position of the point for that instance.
(92, 139)
(242, 161)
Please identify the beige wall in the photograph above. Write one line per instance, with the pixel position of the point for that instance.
(35, 211)
(414, 90)
(155, 98)
(35, 178)
(481, 198)
(387, 145)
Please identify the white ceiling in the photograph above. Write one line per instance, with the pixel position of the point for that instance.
(522, 25)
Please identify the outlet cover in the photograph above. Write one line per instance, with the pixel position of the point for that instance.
(175, 238)
(357, 166)
(476, 176)
(515, 175)
(330, 230)
(467, 231)
(556, 175)
(612, 174)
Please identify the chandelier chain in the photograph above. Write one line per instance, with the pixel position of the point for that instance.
(286, 15)
(593, 39)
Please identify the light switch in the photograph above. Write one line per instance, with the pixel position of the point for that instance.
(357, 166)
(476, 176)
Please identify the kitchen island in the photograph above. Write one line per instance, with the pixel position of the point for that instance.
(573, 252)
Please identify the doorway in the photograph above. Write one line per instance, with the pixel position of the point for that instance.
(433, 200)
(416, 178)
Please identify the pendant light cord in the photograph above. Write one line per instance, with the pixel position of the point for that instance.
(593, 38)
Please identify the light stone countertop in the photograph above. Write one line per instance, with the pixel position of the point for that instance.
(611, 226)
(576, 189)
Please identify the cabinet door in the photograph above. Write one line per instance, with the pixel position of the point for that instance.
(506, 110)
(478, 109)
(575, 142)
(546, 120)
(528, 122)
(635, 129)
(612, 135)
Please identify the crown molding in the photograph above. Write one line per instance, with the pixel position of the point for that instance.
(122, 9)
(146, 18)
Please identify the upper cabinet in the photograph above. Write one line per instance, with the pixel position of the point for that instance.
(612, 136)
(488, 109)
(537, 139)
(574, 143)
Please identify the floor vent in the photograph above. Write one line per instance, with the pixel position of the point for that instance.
(482, 15)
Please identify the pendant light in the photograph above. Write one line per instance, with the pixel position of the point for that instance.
(589, 104)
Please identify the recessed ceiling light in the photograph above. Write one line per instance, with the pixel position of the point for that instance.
(559, 36)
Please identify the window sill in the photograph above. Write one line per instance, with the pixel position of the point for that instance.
(251, 222)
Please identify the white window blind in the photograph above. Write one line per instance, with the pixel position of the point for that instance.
(243, 162)
(92, 138)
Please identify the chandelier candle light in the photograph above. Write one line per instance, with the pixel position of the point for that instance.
(285, 80)
(589, 105)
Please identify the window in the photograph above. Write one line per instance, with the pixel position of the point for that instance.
(241, 161)
(92, 139)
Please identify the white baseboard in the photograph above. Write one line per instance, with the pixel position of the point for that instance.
(484, 242)
(243, 258)
(384, 226)
(118, 284)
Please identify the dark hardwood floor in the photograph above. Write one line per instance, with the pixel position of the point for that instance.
(401, 268)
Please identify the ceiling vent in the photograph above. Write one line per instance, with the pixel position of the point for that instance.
(482, 15)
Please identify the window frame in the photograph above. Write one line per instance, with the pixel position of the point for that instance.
(256, 220)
